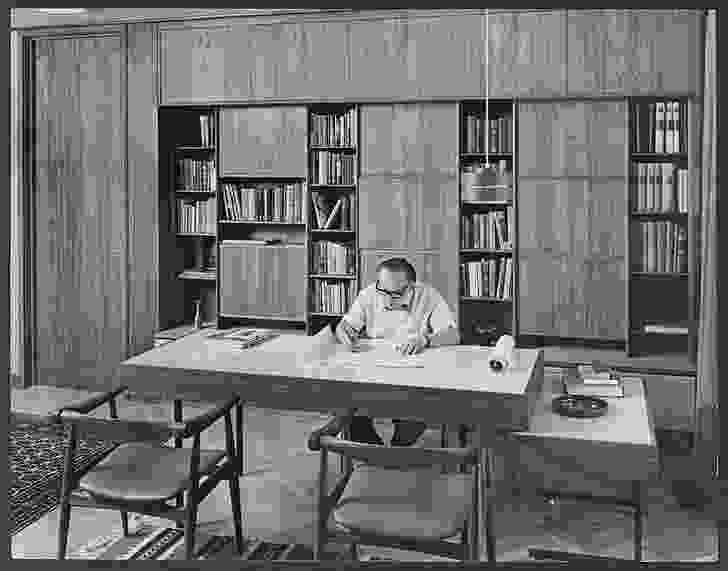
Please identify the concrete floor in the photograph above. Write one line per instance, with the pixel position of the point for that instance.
(278, 495)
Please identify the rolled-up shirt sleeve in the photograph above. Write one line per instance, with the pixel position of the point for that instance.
(441, 317)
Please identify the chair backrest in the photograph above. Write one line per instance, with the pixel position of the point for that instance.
(116, 430)
(400, 456)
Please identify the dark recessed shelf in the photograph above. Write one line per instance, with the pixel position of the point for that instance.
(331, 230)
(193, 148)
(196, 234)
(658, 156)
(503, 252)
(660, 274)
(269, 222)
(656, 214)
(206, 275)
(333, 276)
(332, 186)
(342, 148)
(264, 317)
(500, 155)
(324, 314)
(487, 203)
(488, 299)
(188, 191)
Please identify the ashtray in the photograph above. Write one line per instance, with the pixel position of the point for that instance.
(579, 406)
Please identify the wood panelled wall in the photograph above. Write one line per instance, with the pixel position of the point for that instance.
(455, 55)
(80, 211)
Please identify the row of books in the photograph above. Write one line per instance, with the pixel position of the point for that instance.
(207, 130)
(496, 136)
(663, 247)
(332, 258)
(333, 213)
(487, 278)
(487, 229)
(330, 167)
(196, 175)
(660, 127)
(334, 130)
(332, 296)
(660, 187)
(266, 203)
(196, 216)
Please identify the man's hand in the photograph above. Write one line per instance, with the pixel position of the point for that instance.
(347, 335)
(412, 345)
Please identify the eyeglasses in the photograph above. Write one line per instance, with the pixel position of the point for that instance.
(396, 294)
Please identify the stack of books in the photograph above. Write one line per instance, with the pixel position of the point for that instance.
(594, 381)
(246, 337)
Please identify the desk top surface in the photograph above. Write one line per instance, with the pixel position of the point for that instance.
(460, 367)
(627, 420)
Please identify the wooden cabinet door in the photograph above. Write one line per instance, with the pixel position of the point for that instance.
(666, 52)
(436, 269)
(80, 211)
(263, 141)
(633, 52)
(262, 281)
(527, 54)
(571, 261)
(572, 139)
(408, 184)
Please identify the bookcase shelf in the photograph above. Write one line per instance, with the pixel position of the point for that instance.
(487, 220)
(332, 240)
(662, 230)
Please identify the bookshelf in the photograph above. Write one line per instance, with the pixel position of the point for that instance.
(332, 244)
(487, 220)
(661, 221)
(188, 209)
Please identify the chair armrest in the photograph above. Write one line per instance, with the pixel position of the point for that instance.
(399, 456)
(118, 429)
(91, 403)
(333, 427)
(198, 423)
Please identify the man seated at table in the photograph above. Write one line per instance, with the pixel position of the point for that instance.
(413, 315)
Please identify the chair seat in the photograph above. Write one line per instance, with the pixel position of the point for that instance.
(145, 472)
(415, 504)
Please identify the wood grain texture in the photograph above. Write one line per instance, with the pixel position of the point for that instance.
(571, 262)
(572, 138)
(527, 54)
(408, 191)
(262, 280)
(429, 57)
(143, 186)
(263, 141)
(666, 48)
(81, 211)
(599, 52)
(437, 269)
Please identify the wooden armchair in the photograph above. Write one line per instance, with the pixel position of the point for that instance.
(392, 496)
(142, 475)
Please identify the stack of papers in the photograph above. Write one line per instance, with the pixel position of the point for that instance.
(590, 381)
(245, 336)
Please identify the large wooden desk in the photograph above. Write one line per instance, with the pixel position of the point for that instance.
(453, 386)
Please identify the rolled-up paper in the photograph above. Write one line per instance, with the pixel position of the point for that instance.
(502, 355)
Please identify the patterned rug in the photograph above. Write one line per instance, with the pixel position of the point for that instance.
(36, 455)
(150, 541)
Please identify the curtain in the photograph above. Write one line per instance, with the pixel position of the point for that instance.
(706, 404)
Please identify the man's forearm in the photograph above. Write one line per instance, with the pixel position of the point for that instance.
(449, 336)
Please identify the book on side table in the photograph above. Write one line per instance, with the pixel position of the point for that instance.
(594, 381)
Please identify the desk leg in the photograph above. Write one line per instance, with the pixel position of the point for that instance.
(637, 492)
(485, 493)
(240, 437)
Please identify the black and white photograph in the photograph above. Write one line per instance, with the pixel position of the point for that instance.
(359, 286)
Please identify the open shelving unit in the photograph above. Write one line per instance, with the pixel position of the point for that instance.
(332, 271)
(487, 220)
(662, 285)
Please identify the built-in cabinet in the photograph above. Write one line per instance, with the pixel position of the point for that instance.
(633, 52)
(571, 219)
(79, 210)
